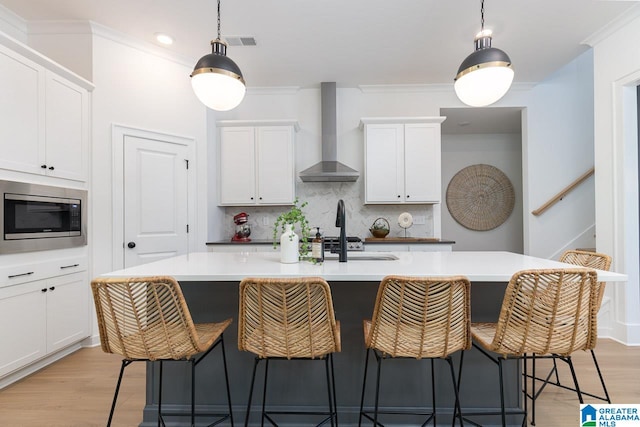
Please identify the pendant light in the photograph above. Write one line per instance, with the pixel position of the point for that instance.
(216, 80)
(485, 76)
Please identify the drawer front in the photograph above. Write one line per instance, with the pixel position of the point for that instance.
(28, 272)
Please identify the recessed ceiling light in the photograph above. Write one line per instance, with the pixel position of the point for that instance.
(465, 123)
(164, 38)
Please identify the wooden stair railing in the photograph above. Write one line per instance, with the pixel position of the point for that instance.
(564, 192)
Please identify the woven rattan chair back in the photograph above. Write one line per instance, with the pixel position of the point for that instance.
(591, 260)
(144, 318)
(289, 318)
(421, 317)
(548, 311)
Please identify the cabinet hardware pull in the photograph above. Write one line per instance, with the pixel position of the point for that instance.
(43, 289)
(11, 276)
(51, 168)
(62, 267)
(53, 288)
(43, 166)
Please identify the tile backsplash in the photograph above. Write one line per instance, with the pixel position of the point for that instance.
(322, 201)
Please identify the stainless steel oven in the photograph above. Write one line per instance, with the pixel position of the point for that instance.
(39, 217)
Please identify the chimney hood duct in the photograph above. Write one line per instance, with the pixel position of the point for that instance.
(329, 169)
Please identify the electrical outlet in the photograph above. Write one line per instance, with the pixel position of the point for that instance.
(419, 219)
(265, 220)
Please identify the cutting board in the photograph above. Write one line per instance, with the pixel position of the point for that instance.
(401, 239)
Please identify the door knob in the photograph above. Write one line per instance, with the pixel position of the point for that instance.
(131, 245)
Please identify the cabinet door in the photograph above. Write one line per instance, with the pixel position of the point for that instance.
(22, 325)
(275, 165)
(66, 129)
(384, 163)
(422, 163)
(67, 310)
(237, 166)
(21, 113)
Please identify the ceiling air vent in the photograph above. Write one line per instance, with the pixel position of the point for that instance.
(241, 40)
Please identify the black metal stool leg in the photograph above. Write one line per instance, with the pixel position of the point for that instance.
(433, 393)
(604, 387)
(333, 386)
(193, 392)
(264, 392)
(226, 378)
(253, 380)
(456, 406)
(326, 368)
(504, 415)
(125, 363)
(375, 416)
(364, 384)
(575, 379)
(160, 420)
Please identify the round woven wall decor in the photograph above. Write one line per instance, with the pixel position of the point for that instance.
(480, 197)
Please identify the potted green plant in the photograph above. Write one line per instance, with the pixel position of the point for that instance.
(286, 221)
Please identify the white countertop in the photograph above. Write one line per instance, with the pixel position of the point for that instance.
(477, 266)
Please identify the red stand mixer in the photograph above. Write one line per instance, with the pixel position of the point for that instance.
(243, 231)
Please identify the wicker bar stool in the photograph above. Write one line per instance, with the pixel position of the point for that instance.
(285, 319)
(545, 314)
(417, 318)
(147, 319)
(598, 261)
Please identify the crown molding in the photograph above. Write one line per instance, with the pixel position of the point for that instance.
(14, 23)
(98, 30)
(276, 90)
(613, 26)
(429, 88)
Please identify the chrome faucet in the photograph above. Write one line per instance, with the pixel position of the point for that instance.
(341, 222)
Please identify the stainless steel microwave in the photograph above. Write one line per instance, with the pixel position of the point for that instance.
(39, 217)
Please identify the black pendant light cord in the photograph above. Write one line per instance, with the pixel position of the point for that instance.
(481, 16)
(219, 18)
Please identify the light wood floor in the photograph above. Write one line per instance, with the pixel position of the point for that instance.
(77, 390)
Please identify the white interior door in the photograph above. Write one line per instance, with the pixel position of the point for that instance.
(155, 184)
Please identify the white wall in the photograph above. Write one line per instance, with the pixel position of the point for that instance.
(559, 149)
(617, 73)
(138, 89)
(503, 151)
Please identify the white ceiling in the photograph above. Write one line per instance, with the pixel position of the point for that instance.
(358, 42)
(352, 42)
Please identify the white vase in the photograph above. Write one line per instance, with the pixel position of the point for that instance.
(289, 245)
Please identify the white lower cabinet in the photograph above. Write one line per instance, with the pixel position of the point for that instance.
(41, 317)
(67, 310)
(23, 332)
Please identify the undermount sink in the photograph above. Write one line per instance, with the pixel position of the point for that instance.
(360, 256)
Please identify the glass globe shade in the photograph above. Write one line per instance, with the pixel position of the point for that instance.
(484, 86)
(218, 91)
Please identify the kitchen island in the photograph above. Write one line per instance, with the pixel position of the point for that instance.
(210, 284)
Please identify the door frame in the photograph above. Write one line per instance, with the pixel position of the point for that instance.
(118, 134)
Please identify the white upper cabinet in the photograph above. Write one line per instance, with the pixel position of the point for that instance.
(66, 130)
(256, 164)
(402, 160)
(21, 108)
(44, 118)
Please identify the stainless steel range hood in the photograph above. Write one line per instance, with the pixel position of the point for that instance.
(329, 169)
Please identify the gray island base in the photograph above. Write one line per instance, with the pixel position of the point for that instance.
(210, 285)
